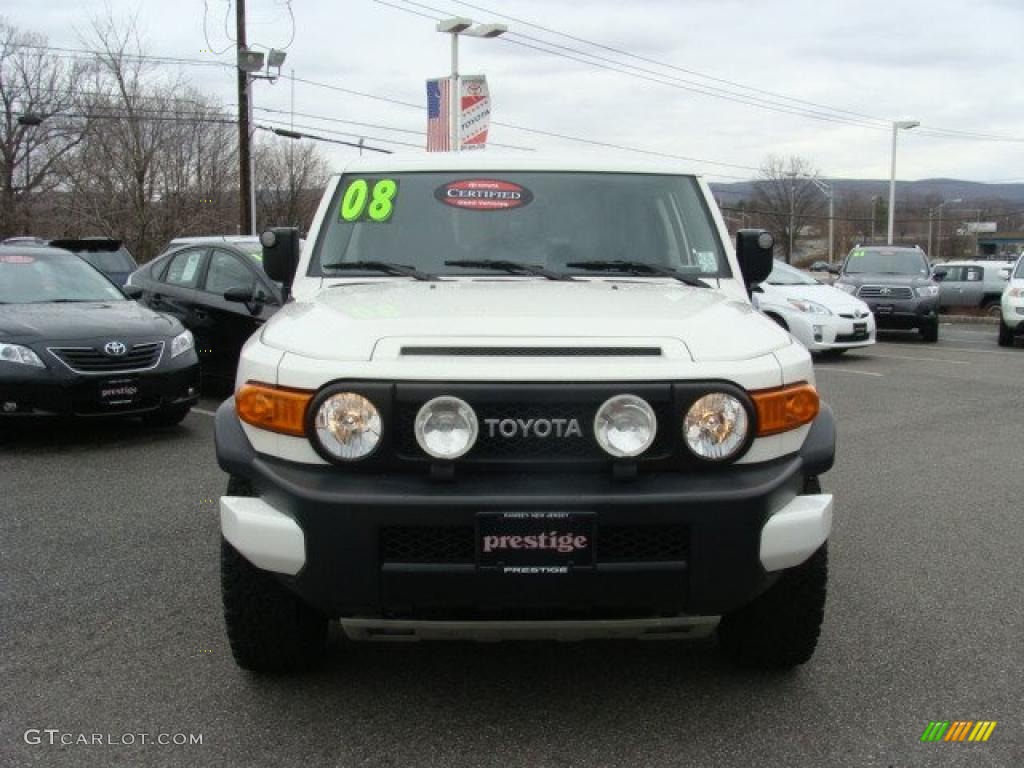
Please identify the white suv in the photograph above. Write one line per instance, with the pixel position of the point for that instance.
(1011, 320)
(516, 397)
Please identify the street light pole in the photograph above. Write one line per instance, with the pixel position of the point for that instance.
(931, 213)
(456, 26)
(905, 125)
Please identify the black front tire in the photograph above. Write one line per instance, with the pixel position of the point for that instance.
(167, 417)
(268, 627)
(780, 628)
(930, 332)
(1005, 334)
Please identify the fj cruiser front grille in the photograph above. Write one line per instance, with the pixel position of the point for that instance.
(457, 545)
(533, 351)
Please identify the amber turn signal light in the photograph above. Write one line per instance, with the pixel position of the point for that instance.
(276, 409)
(786, 408)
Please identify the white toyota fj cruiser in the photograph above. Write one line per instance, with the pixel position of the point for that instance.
(521, 397)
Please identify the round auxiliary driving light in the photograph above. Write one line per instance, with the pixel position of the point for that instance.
(348, 426)
(268, 239)
(446, 427)
(625, 426)
(715, 427)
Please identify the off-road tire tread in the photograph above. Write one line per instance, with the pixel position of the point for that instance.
(780, 628)
(269, 629)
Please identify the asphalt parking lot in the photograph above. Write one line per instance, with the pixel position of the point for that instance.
(110, 613)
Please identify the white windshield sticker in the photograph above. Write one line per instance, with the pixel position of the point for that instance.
(190, 267)
(708, 261)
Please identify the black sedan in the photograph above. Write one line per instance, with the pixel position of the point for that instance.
(218, 290)
(73, 344)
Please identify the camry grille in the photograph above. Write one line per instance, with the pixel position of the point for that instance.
(138, 357)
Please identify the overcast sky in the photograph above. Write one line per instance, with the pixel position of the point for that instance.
(950, 64)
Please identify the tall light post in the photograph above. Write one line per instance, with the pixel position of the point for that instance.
(874, 215)
(937, 209)
(460, 25)
(28, 120)
(826, 190)
(906, 125)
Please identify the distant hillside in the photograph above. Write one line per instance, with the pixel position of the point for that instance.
(945, 189)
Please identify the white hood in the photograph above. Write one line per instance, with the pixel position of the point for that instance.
(347, 321)
(832, 298)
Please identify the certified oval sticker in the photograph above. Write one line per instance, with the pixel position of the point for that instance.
(483, 194)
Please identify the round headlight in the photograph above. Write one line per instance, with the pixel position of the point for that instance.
(446, 427)
(348, 426)
(625, 426)
(716, 426)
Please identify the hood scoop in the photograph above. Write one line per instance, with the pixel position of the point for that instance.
(478, 351)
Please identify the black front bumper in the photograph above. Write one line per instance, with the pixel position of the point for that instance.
(904, 314)
(352, 568)
(27, 391)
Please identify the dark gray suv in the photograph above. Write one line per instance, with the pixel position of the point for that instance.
(898, 286)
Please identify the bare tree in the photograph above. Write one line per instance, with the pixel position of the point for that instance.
(156, 157)
(787, 199)
(35, 87)
(290, 178)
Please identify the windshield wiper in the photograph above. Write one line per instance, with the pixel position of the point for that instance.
(638, 268)
(513, 267)
(67, 301)
(402, 270)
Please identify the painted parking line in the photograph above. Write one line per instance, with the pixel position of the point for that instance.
(873, 355)
(973, 350)
(843, 369)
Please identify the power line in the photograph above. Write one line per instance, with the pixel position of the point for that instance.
(865, 121)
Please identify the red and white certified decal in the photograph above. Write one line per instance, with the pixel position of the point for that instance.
(483, 194)
(16, 258)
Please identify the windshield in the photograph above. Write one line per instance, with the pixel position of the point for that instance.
(545, 219)
(110, 261)
(783, 274)
(30, 278)
(889, 261)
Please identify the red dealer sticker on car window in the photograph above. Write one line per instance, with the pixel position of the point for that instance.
(483, 194)
(16, 258)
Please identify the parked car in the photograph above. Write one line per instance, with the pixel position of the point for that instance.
(823, 272)
(71, 343)
(217, 288)
(522, 396)
(109, 256)
(972, 284)
(822, 318)
(1011, 315)
(897, 284)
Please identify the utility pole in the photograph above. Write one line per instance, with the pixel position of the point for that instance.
(874, 215)
(245, 190)
(792, 215)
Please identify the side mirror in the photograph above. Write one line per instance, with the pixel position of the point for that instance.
(240, 295)
(754, 252)
(132, 291)
(939, 274)
(281, 251)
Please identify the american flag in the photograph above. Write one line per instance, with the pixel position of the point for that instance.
(438, 111)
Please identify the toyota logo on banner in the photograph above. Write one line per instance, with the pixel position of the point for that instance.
(115, 348)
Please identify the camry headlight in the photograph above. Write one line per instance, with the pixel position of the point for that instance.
(716, 426)
(182, 343)
(811, 307)
(625, 426)
(446, 427)
(928, 290)
(347, 426)
(15, 353)
(848, 287)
